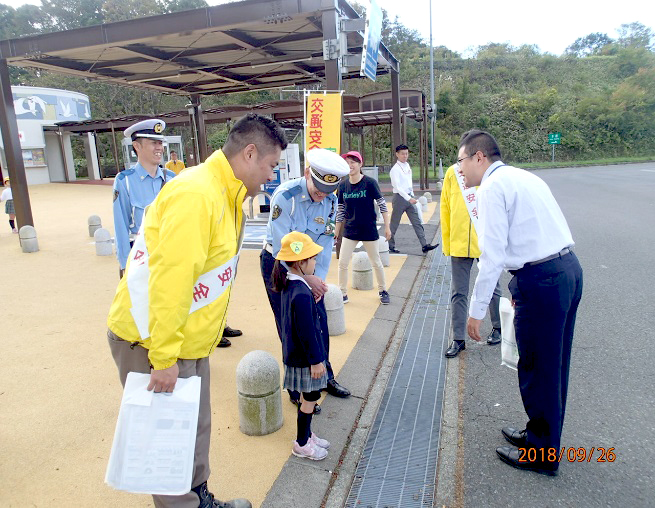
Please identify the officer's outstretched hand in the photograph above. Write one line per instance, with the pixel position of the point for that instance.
(164, 380)
(319, 288)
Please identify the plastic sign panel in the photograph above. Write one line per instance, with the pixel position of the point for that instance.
(372, 37)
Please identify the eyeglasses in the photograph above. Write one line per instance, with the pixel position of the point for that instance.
(459, 161)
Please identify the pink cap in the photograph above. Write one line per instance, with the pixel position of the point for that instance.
(354, 154)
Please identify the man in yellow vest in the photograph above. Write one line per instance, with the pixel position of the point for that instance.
(169, 310)
(460, 241)
(175, 164)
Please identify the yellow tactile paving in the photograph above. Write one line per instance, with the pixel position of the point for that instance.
(59, 391)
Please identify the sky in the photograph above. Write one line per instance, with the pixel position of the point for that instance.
(463, 25)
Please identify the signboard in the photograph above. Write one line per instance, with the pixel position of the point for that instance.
(323, 121)
(554, 138)
(372, 36)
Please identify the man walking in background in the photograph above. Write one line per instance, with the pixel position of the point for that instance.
(404, 201)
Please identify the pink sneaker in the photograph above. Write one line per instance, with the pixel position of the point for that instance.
(14, 230)
(309, 451)
(323, 443)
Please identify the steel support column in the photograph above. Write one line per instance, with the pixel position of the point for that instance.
(16, 169)
(199, 128)
(395, 108)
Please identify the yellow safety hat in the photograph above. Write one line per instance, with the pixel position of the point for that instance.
(296, 246)
(6, 179)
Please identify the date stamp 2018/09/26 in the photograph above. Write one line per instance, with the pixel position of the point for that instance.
(569, 454)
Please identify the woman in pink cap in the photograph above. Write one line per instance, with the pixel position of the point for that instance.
(356, 222)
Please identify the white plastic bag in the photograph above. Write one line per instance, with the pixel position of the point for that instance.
(155, 438)
(508, 349)
(419, 211)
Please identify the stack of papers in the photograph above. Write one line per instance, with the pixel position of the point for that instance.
(155, 438)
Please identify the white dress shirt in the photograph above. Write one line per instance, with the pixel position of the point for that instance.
(401, 179)
(519, 222)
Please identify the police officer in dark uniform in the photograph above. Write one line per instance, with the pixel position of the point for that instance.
(308, 205)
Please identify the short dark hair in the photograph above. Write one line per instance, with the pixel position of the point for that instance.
(476, 140)
(173, 152)
(259, 130)
(401, 147)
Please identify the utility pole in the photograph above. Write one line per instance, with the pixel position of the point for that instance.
(432, 105)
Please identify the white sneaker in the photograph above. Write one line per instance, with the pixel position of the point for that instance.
(323, 443)
(309, 451)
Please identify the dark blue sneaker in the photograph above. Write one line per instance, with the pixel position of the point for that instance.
(384, 298)
(345, 299)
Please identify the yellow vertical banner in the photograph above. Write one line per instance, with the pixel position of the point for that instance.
(323, 117)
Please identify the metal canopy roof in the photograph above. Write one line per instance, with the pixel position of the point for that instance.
(236, 47)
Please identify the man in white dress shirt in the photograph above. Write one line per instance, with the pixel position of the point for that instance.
(522, 229)
(404, 200)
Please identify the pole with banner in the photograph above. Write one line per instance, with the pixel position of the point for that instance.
(323, 121)
(372, 38)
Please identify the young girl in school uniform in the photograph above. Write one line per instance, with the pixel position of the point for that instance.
(8, 198)
(302, 346)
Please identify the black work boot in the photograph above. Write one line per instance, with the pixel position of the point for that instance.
(207, 499)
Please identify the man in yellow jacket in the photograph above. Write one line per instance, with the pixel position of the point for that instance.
(460, 242)
(169, 310)
(175, 164)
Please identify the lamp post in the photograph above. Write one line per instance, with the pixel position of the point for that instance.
(432, 105)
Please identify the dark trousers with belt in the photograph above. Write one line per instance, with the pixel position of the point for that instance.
(266, 262)
(546, 297)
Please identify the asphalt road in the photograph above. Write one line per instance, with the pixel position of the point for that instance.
(611, 404)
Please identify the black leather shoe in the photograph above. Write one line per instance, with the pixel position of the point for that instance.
(428, 248)
(456, 347)
(336, 390)
(224, 343)
(231, 332)
(518, 458)
(394, 250)
(494, 337)
(516, 437)
(207, 499)
(317, 408)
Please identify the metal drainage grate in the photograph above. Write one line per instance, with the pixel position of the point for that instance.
(398, 466)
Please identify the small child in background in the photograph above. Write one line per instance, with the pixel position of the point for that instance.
(8, 198)
(303, 353)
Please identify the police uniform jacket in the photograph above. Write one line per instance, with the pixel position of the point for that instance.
(134, 189)
(292, 209)
(458, 235)
(194, 226)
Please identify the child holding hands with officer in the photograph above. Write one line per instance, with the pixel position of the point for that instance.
(303, 352)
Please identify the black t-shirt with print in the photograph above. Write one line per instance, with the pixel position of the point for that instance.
(359, 199)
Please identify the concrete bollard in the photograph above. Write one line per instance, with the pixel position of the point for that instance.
(362, 271)
(428, 196)
(424, 203)
(95, 223)
(383, 248)
(259, 394)
(104, 246)
(27, 239)
(439, 186)
(336, 317)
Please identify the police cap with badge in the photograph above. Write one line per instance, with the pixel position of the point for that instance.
(152, 129)
(327, 169)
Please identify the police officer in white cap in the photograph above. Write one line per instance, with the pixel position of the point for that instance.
(137, 187)
(308, 205)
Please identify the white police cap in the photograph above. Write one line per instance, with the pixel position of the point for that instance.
(327, 169)
(153, 129)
